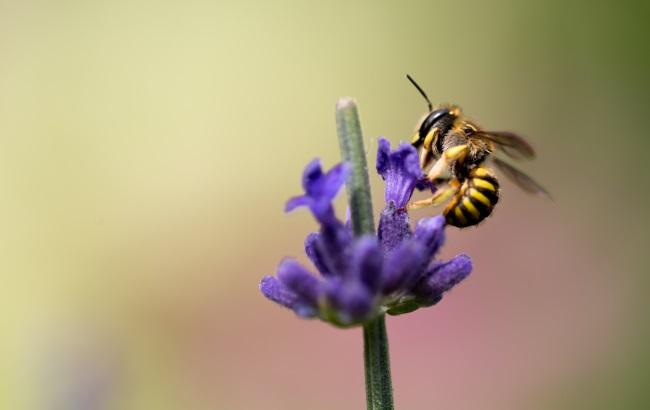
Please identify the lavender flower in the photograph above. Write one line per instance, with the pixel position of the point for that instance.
(360, 278)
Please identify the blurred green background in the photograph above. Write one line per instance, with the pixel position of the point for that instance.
(147, 149)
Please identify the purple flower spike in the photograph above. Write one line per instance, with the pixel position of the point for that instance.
(431, 233)
(315, 253)
(320, 189)
(404, 266)
(367, 263)
(277, 292)
(440, 278)
(295, 288)
(445, 275)
(300, 281)
(350, 302)
(394, 227)
(361, 278)
(401, 171)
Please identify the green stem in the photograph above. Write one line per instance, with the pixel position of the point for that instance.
(379, 390)
(353, 152)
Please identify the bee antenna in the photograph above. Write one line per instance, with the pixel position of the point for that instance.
(416, 85)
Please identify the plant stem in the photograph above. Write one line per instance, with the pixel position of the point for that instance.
(353, 152)
(379, 390)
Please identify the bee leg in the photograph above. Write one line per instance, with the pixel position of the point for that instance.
(426, 146)
(424, 157)
(438, 198)
(452, 154)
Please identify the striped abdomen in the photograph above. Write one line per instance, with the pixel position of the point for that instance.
(475, 199)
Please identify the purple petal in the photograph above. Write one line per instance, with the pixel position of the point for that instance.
(441, 277)
(311, 175)
(300, 281)
(393, 227)
(315, 254)
(430, 232)
(277, 292)
(407, 263)
(320, 190)
(305, 310)
(446, 275)
(400, 169)
(404, 266)
(351, 301)
(324, 187)
(296, 202)
(383, 154)
(367, 262)
(335, 179)
(333, 246)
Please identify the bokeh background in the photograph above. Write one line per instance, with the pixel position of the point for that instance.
(147, 149)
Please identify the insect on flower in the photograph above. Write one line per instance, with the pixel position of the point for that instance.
(460, 148)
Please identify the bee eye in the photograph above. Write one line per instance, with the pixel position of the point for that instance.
(437, 115)
(430, 121)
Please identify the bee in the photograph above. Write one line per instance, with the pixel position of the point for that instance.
(460, 148)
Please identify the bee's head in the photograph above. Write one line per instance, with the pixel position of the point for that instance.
(441, 118)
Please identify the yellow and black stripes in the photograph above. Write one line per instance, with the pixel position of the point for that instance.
(475, 199)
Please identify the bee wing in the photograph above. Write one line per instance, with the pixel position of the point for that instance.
(522, 180)
(510, 143)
